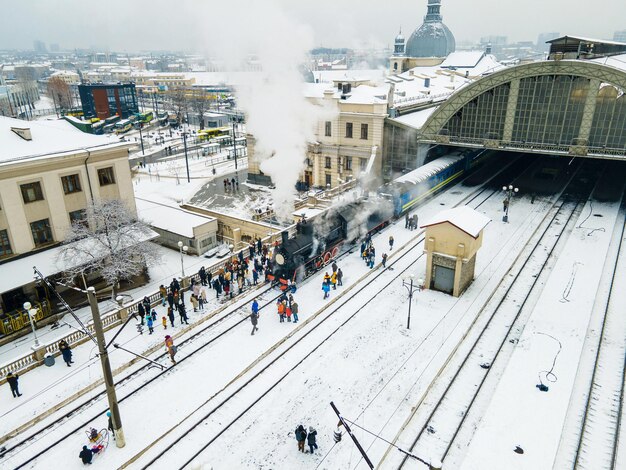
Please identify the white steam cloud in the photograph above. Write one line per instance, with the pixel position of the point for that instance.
(277, 113)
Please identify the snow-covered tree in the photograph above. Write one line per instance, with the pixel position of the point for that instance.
(110, 241)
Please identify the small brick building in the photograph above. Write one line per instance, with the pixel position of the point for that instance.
(453, 237)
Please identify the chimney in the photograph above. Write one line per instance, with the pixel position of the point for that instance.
(23, 132)
(285, 236)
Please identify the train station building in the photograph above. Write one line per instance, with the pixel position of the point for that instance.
(571, 104)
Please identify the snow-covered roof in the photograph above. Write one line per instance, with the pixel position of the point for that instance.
(464, 218)
(21, 270)
(171, 219)
(410, 87)
(426, 171)
(617, 61)
(361, 94)
(584, 39)
(327, 76)
(48, 138)
(307, 212)
(462, 59)
(416, 119)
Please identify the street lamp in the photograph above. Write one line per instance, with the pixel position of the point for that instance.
(31, 314)
(183, 249)
(186, 157)
(407, 282)
(509, 191)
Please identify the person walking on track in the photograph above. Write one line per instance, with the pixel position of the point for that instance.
(171, 348)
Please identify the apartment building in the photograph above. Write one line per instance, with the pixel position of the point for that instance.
(49, 171)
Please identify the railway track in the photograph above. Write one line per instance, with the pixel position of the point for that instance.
(233, 310)
(220, 412)
(24, 443)
(599, 437)
(446, 404)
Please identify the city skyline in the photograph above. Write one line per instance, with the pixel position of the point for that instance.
(355, 25)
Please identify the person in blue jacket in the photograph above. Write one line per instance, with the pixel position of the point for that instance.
(326, 289)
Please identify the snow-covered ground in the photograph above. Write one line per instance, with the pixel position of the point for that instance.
(358, 354)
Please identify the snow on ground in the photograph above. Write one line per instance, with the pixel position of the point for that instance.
(555, 334)
(373, 344)
(304, 398)
(162, 273)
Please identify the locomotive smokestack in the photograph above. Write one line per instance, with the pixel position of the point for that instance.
(285, 236)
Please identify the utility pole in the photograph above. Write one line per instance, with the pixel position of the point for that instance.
(186, 158)
(106, 369)
(349, 431)
(141, 139)
(234, 143)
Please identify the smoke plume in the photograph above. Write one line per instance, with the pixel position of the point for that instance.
(277, 113)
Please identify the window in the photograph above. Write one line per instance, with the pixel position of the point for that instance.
(78, 217)
(5, 245)
(348, 163)
(362, 163)
(328, 163)
(327, 129)
(364, 131)
(42, 234)
(71, 184)
(31, 192)
(328, 180)
(309, 162)
(105, 176)
(349, 130)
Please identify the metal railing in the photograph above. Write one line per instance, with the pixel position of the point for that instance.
(109, 320)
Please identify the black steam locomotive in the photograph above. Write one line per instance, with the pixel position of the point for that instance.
(317, 242)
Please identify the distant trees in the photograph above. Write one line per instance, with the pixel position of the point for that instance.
(109, 241)
(180, 103)
(61, 93)
(199, 104)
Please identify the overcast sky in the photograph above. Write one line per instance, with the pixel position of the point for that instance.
(125, 25)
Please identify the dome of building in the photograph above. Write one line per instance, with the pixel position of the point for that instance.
(432, 38)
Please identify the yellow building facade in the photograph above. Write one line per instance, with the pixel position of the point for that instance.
(453, 238)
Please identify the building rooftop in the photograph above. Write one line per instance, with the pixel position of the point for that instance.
(48, 138)
(464, 218)
(171, 219)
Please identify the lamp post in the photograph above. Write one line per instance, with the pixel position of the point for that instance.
(31, 314)
(410, 286)
(183, 249)
(509, 191)
(141, 140)
(186, 157)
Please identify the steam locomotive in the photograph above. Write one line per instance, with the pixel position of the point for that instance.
(316, 243)
(319, 241)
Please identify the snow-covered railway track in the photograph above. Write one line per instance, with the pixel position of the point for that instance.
(41, 431)
(51, 432)
(224, 409)
(446, 404)
(600, 431)
(226, 319)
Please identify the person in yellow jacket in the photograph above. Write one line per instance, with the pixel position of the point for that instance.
(333, 280)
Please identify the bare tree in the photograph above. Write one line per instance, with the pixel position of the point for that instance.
(111, 242)
(199, 104)
(180, 102)
(60, 93)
